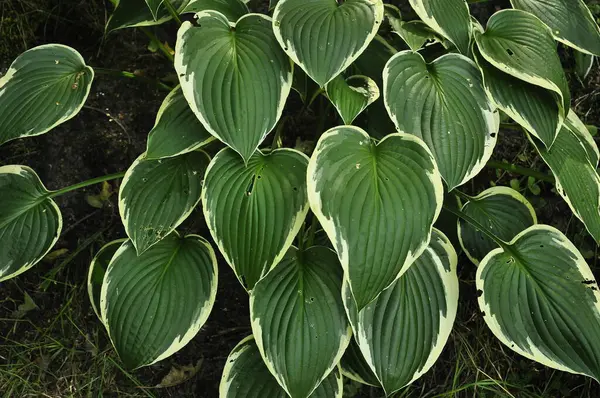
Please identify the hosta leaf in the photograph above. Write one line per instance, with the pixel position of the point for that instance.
(177, 130)
(449, 18)
(414, 33)
(402, 333)
(570, 21)
(503, 211)
(154, 304)
(235, 78)
(153, 5)
(355, 367)
(351, 95)
(156, 196)
(246, 376)
(30, 222)
(97, 271)
(538, 110)
(371, 63)
(540, 298)
(255, 211)
(298, 319)
(131, 13)
(324, 36)
(443, 103)
(232, 9)
(583, 64)
(385, 224)
(573, 159)
(518, 43)
(43, 87)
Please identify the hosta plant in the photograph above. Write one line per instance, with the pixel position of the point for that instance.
(334, 242)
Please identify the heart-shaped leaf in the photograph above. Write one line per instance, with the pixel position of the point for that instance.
(153, 6)
(402, 333)
(518, 43)
(355, 367)
(152, 305)
(43, 87)
(232, 9)
(301, 25)
(97, 271)
(351, 95)
(30, 221)
(503, 211)
(443, 103)
(371, 63)
(449, 18)
(570, 21)
(385, 224)
(156, 196)
(414, 33)
(536, 109)
(540, 298)
(255, 211)
(298, 319)
(177, 130)
(235, 78)
(573, 159)
(246, 376)
(132, 13)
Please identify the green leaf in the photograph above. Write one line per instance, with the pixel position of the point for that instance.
(570, 21)
(97, 271)
(518, 43)
(449, 18)
(573, 159)
(304, 86)
(152, 305)
(298, 319)
(352, 95)
(246, 376)
(132, 13)
(501, 210)
(443, 103)
(385, 224)
(235, 78)
(153, 5)
(156, 196)
(300, 27)
(43, 87)
(583, 64)
(177, 130)
(255, 211)
(537, 110)
(30, 222)
(371, 63)
(402, 333)
(232, 9)
(540, 299)
(414, 33)
(355, 367)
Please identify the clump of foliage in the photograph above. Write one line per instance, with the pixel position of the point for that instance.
(370, 290)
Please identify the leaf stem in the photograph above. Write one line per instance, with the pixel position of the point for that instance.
(313, 230)
(479, 227)
(86, 183)
(278, 133)
(131, 75)
(513, 168)
(172, 11)
(158, 43)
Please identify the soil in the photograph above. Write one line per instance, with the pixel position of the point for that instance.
(106, 137)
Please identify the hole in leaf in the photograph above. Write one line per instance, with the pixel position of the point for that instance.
(479, 292)
(295, 189)
(587, 282)
(250, 187)
(493, 135)
(510, 52)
